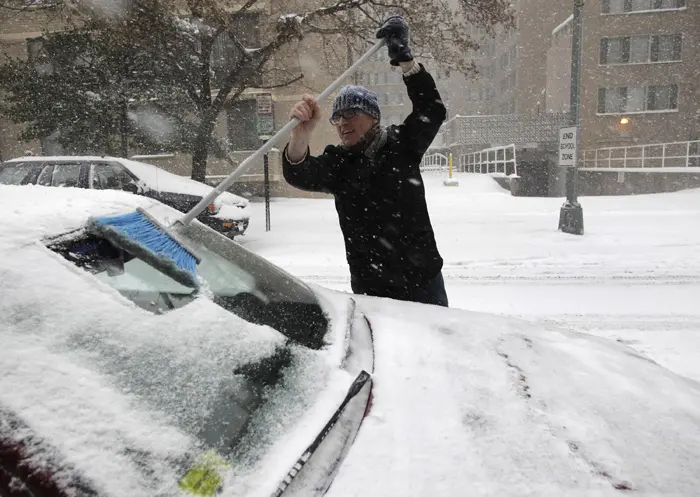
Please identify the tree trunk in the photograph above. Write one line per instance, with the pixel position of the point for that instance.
(124, 130)
(199, 160)
(201, 148)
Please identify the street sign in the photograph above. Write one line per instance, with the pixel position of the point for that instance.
(567, 146)
(265, 114)
(265, 126)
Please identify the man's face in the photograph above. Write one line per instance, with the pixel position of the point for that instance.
(352, 129)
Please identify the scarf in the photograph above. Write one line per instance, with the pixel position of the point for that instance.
(371, 142)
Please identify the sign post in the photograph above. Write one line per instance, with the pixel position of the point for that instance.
(571, 213)
(266, 128)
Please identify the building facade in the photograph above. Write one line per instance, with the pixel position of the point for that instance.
(512, 65)
(641, 72)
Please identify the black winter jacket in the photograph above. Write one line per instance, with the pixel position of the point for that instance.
(389, 241)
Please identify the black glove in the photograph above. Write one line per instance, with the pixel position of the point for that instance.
(395, 31)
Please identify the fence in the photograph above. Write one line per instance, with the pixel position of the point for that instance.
(434, 163)
(675, 155)
(493, 160)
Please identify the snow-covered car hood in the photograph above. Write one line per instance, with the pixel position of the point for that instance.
(476, 404)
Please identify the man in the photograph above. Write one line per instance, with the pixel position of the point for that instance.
(375, 177)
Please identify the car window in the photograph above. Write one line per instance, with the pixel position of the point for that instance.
(236, 279)
(44, 178)
(108, 176)
(67, 175)
(18, 173)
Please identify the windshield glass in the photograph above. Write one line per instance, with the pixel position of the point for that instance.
(235, 278)
(224, 391)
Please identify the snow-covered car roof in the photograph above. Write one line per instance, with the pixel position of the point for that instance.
(32, 212)
(152, 176)
(100, 381)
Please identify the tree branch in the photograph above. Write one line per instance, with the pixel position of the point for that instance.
(342, 6)
(280, 85)
(30, 6)
(246, 6)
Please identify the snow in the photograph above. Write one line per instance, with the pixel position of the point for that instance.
(165, 181)
(504, 407)
(296, 18)
(112, 387)
(31, 212)
(563, 24)
(592, 390)
(451, 411)
(633, 276)
(575, 373)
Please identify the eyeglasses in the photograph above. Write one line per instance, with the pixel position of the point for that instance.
(345, 114)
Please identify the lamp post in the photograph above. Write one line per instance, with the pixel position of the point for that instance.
(571, 214)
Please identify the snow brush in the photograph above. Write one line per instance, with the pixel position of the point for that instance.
(144, 237)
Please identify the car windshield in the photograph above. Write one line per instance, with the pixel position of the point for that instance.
(235, 278)
(228, 402)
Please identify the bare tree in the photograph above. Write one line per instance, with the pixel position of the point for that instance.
(180, 42)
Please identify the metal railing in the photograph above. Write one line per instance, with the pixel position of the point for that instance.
(649, 156)
(434, 163)
(494, 160)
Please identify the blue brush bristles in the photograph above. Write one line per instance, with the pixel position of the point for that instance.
(140, 235)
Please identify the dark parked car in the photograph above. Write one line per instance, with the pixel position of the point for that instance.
(228, 214)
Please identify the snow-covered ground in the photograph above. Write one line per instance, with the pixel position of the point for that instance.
(634, 276)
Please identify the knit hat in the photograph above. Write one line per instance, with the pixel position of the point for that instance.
(357, 97)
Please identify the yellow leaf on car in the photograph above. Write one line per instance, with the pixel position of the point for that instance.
(206, 476)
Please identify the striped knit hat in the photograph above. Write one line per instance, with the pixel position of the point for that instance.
(357, 97)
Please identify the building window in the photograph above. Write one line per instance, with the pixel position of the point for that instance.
(666, 48)
(513, 53)
(225, 54)
(625, 6)
(641, 49)
(512, 79)
(242, 125)
(662, 97)
(623, 99)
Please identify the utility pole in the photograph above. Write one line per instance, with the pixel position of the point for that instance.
(571, 214)
(266, 186)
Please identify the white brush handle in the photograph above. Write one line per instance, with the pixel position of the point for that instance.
(278, 137)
